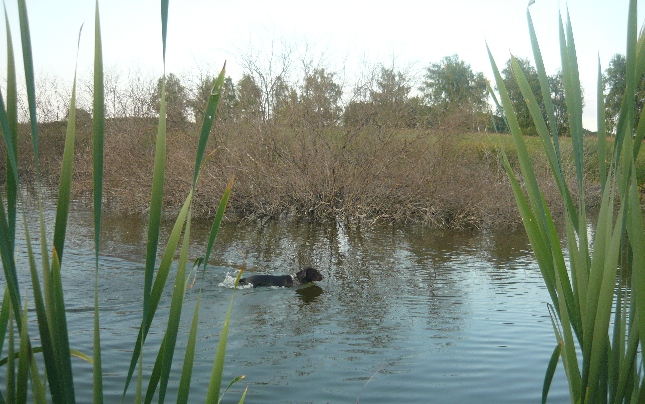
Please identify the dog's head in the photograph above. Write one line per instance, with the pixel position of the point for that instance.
(311, 275)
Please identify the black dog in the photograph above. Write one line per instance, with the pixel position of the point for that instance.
(299, 278)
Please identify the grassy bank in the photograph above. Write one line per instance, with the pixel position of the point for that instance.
(358, 175)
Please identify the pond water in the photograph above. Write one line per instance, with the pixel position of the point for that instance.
(403, 315)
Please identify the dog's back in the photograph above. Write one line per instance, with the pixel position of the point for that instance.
(268, 280)
(307, 275)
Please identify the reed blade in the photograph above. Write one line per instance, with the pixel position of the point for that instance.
(550, 371)
(215, 384)
(209, 117)
(216, 223)
(189, 357)
(175, 310)
(602, 130)
(62, 337)
(23, 361)
(98, 125)
(157, 289)
(65, 184)
(12, 132)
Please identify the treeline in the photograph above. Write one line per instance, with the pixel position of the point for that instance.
(448, 95)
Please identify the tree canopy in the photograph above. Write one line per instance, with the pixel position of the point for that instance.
(515, 94)
(451, 84)
(614, 80)
(176, 98)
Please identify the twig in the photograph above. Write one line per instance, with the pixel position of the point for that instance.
(370, 379)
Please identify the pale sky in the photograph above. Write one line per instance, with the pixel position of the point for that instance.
(413, 33)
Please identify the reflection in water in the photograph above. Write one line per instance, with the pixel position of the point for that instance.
(310, 293)
(455, 316)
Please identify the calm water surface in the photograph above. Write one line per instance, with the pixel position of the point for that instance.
(430, 316)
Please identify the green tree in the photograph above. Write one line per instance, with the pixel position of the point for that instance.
(556, 85)
(517, 99)
(283, 95)
(321, 98)
(176, 98)
(451, 84)
(225, 108)
(249, 94)
(390, 98)
(614, 81)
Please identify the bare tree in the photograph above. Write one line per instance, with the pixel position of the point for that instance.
(268, 60)
(52, 97)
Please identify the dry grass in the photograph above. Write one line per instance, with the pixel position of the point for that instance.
(357, 175)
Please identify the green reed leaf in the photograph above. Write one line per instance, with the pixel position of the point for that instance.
(628, 366)
(216, 223)
(44, 321)
(545, 88)
(573, 99)
(533, 232)
(164, 26)
(243, 395)
(155, 376)
(534, 214)
(98, 129)
(189, 357)
(175, 311)
(98, 124)
(12, 118)
(4, 316)
(637, 240)
(528, 173)
(61, 337)
(28, 63)
(626, 116)
(602, 130)
(159, 284)
(23, 361)
(237, 379)
(209, 117)
(603, 315)
(214, 386)
(39, 349)
(7, 235)
(552, 149)
(156, 203)
(550, 371)
(11, 368)
(65, 184)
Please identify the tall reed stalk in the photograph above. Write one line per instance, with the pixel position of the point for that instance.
(598, 293)
(49, 300)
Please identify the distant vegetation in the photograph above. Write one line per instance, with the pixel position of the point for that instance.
(449, 179)
(313, 147)
(446, 94)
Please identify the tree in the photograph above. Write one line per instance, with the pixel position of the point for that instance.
(227, 101)
(556, 85)
(515, 94)
(176, 98)
(615, 80)
(451, 89)
(321, 98)
(451, 84)
(390, 98)
(283, 94)
(249, 104)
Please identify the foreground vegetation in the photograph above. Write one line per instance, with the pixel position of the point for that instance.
(598, 297)
(24, 363)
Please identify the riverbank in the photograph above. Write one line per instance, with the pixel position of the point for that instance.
(448, 180)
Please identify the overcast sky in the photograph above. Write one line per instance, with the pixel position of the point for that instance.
(407, 33)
